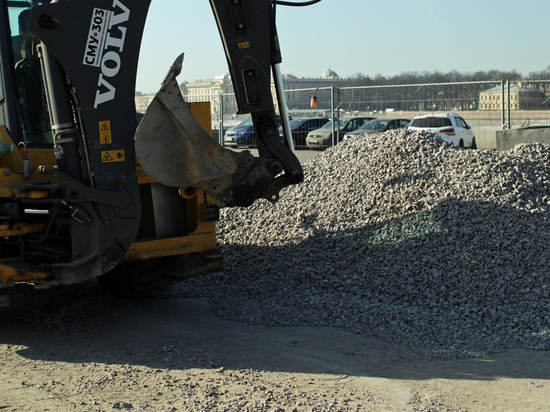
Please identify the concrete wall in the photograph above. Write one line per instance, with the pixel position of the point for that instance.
(485, 138)
(507, 139)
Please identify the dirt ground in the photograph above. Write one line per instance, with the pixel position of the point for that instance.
(75, 348)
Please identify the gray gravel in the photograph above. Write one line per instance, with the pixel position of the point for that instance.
(398, 236)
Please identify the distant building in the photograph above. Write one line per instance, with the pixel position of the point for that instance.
(211, 90)
(143, 102)
(521, 98)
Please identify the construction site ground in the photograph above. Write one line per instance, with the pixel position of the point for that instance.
(75, 348)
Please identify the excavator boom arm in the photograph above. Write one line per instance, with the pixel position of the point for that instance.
(248, 33)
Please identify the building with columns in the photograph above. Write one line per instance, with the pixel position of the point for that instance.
(521, 98)
(298, 91)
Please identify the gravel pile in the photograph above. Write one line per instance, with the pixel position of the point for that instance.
(398, 236)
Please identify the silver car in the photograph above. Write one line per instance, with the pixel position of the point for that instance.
(322, 138)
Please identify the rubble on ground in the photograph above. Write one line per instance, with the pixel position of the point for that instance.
(400, 236)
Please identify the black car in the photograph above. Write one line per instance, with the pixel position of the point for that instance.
(301, 127)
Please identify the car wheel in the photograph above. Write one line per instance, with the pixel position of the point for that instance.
(461, 144)
(474, 145)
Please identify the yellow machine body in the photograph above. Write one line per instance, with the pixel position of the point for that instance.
(172, 224)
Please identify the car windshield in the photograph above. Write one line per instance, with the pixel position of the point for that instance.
(431, 122)
(339, 124)
(375, 125)
(247, 122)
(296, 123)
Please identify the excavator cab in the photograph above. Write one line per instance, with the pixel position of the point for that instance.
(24, 111)
(87, 193)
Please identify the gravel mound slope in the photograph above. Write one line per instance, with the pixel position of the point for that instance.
(398, 236)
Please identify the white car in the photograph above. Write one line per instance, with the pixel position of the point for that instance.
(450, 127)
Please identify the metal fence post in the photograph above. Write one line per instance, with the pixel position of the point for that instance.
(220, 123)
(332, 110)
(502, 99)
(509, 105)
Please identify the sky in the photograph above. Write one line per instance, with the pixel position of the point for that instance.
(358, 36)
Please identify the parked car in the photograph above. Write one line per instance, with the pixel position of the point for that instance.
(243, 134)
(301, 127)
(322, 138)
(450, 127)
(378, 125)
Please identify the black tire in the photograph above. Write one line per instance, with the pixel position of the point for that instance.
(461, 144)
(142, 278)
(474, 145)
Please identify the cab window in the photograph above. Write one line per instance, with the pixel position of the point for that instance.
(31, 105)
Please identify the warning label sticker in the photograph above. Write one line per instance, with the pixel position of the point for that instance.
(105, 136)
(108, 156)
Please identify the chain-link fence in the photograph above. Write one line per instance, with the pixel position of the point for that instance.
(487, 106)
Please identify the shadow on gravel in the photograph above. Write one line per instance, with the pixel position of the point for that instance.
(439, 294)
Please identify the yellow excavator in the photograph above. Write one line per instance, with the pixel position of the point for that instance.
(89, 189)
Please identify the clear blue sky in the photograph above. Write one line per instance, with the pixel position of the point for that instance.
(359, 36)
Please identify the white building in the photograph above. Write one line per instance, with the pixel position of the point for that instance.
(298, 91)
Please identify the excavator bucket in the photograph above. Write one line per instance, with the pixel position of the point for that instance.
(175, 150)
(172, 146)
